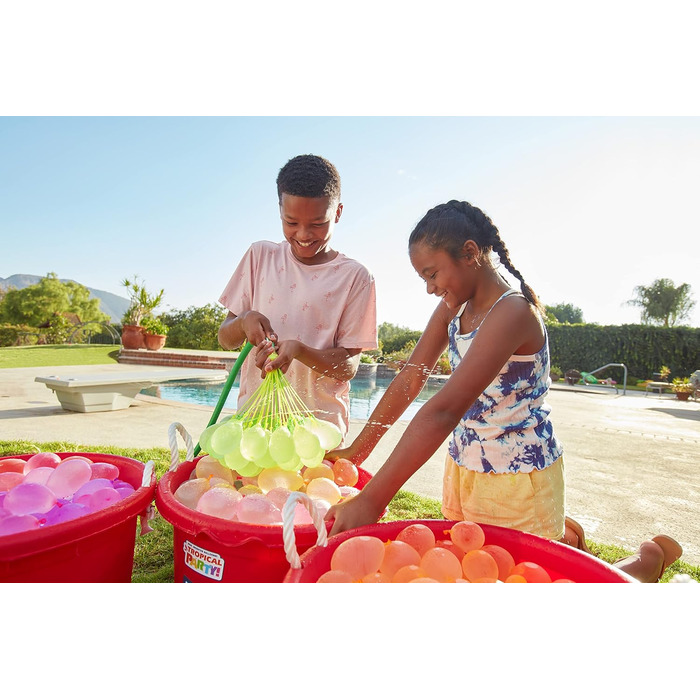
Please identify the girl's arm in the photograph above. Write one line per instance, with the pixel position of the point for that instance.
(511, 326)
(337, 363)
(403, 390)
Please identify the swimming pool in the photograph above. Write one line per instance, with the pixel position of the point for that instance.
(365, 393)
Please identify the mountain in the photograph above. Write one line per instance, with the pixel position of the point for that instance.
(111, 304)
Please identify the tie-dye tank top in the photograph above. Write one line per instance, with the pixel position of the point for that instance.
(507, 430)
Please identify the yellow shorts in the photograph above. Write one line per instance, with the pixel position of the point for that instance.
(532, 502)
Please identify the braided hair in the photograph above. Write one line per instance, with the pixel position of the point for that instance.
(449, 226)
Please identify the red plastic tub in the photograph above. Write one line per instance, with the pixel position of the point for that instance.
(212, 550)
(560, 560)
(96, 548)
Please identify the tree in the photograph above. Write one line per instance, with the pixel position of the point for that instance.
(393, 338)
(196, 328)
(41, 302)
(662, 303)
(565, 313)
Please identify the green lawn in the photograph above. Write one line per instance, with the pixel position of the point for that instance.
(153, 555)
(57, 355)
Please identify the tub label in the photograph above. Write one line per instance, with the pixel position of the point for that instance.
(204, 562)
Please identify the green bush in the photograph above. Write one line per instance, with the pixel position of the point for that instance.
(643, 349)
(17, 334)
(195, 328)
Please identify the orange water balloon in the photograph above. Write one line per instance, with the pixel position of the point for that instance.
(424, 579)
(451, 546)
(334, 576)
(485, 579)
(345, 472)
(376, 577)
(563, 580)
(396, 555)
(419, 536)
(503, 558)
(358, 556)
(516, 578)
(441, 564)
(479, 564)
(321, 471)
(531, 572)
(407, 573)
(467, 535)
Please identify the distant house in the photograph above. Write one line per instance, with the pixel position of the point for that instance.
(72, 318)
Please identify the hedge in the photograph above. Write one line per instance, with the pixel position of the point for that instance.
(643, 349)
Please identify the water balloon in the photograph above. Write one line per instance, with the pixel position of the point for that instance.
(441, 565)
(407, 573)
(208, 467)
(478, 564)
(281, 445)
(321, 470)
(103, 498)
(278, 496)
(504, 559)
(323, 489)
(42, 459)
(345, 472)
(531, 572)
(254, 442)
(334, 577)
(63, 512)
(270, 479)
(220, 503)
(358, 555)
(226, 437)
(40, 475)
(27, 499)
(467, 535)
(396, 555)
(104, 470)
(90, 487)
(315, 460)
(249, 489)
(205, 437)
(328, 434)
(419, 536)
(8, 480)
(69, 476)
(13, 524)
(12, 465)
(306, 444)
(256, 509)
(189, 492)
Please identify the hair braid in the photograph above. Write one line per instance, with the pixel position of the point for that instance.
(450, 225)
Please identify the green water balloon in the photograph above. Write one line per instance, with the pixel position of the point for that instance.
(282, 445)
(254, 442)
(226, 437)
(306, 443)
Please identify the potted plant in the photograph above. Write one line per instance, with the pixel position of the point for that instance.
(555, 373)
(154, 333)
(682, 388)
(142, 305)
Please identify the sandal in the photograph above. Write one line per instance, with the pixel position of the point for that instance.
(572, 525)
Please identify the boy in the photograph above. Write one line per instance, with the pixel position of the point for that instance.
(316, 305)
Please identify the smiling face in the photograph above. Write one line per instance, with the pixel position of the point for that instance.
(308, 223)
(448, 278)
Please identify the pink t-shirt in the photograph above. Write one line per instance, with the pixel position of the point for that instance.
(324, 306)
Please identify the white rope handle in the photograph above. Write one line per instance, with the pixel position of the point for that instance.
(172, 438)
(147, 473)
(288, 536)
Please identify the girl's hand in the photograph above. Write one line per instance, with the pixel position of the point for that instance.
(354, 512)
(350, 453)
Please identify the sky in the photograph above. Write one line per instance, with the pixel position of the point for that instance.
(589, 207)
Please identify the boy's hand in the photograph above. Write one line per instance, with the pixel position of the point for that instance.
(286, 351)
(257, 328)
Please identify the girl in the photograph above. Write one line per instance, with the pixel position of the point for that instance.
(505, 464)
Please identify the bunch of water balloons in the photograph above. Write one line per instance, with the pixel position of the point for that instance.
(417, 556)
(47, 489)
(216, 490)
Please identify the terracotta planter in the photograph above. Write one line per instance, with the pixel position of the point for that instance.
(153, 342)
(682, 396)
(132, 337)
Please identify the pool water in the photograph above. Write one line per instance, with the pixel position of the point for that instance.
(364, 395)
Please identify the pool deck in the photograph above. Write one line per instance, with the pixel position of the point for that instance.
(631, 461)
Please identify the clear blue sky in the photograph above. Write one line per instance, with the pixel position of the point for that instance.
(589, 207)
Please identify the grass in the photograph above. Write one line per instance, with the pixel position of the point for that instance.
(153, 554)
(57, 355)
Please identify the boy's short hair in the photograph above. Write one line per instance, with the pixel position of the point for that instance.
(309, 176)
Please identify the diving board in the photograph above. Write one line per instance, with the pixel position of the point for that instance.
(113, 391)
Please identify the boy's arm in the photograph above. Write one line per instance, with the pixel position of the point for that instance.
(250, 325)
(337, 363)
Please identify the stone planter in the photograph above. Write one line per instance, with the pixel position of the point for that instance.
(153, 342)
(132, 337)
(366, 370)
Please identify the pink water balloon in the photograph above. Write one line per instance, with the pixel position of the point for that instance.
(89, 487)
(103, 499)
(256, 509)
(69, 476)
(63, 512)
(40, 475)
(28, 499)
(14, 524)
(103, 470)
(42, 459)
(220, 503)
